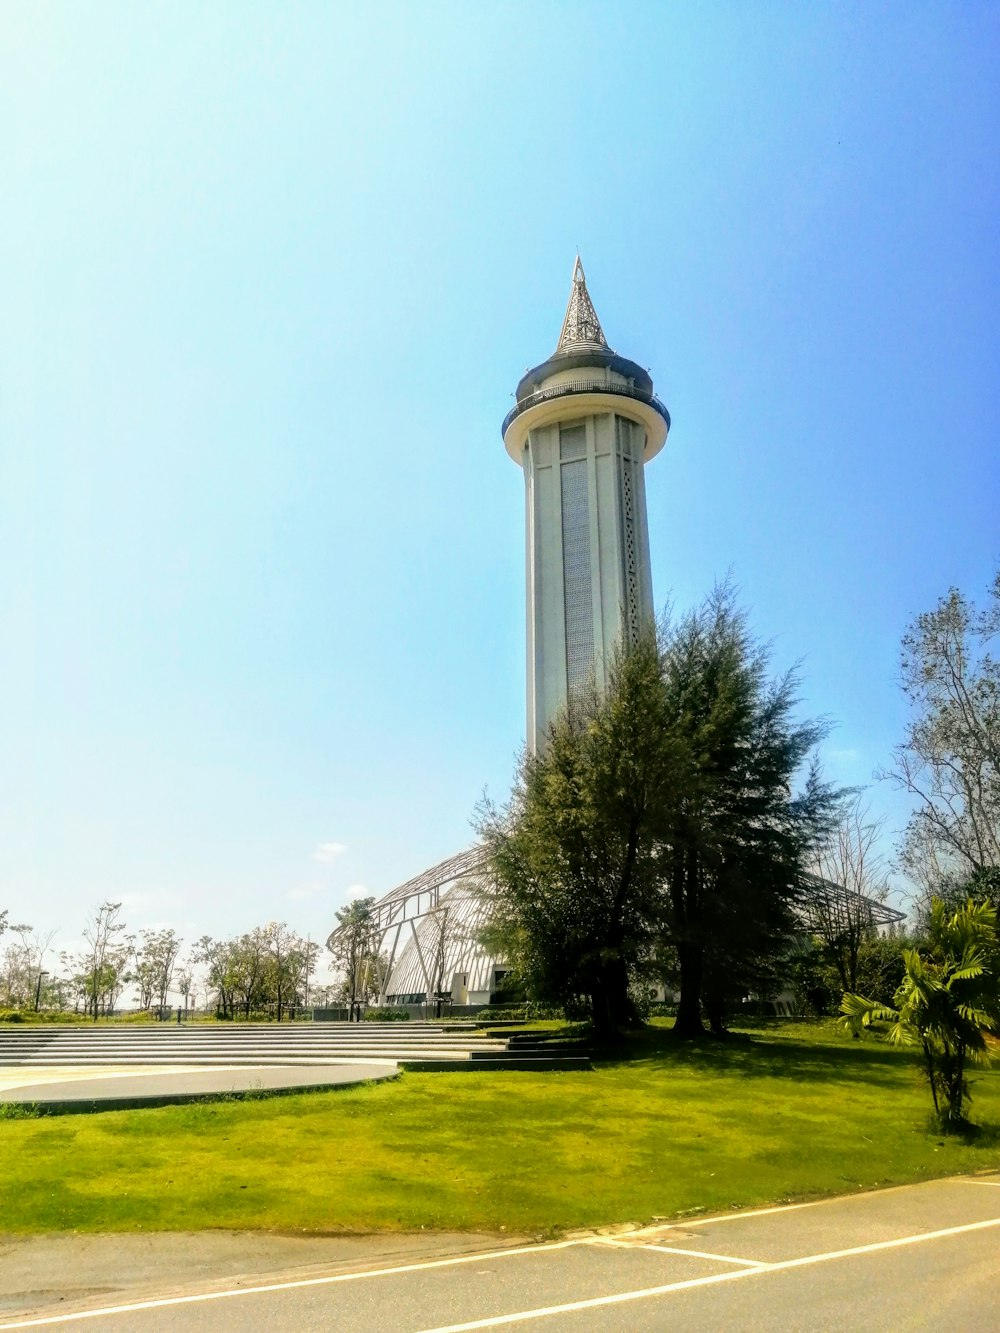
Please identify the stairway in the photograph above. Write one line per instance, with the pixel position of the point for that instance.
(522, 1050)
(415, 1045)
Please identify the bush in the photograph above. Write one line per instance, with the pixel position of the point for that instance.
(881, 968)
(386, 1015)
(19, 1111)
(521, 1013)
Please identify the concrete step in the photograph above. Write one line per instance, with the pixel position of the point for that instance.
(183, 1041)
(240, 1060)
(531, 1053)
(249, 1044)
(192, 1026)
(335, 1039)
(525, 1062)
(361, 1053)
(170, 1046)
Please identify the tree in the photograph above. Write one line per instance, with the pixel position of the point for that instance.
(21, 967)
(102, 969)
(948, 999)
(248, 956)
(290, 959)
(17, 973)
(354, 946)
(218, 958)
(949, 759)
(735, 840)
(573, 873)
(155, 959)
(185, 985)
(850, 861)
(661, 816)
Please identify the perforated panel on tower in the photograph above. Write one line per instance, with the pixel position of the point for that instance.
(577, 587)
(630, 557)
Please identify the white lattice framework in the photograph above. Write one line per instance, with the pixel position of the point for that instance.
(439, 907)
(428, 929)
(824, 903)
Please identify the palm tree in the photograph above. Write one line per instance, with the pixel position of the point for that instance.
(948, 1000)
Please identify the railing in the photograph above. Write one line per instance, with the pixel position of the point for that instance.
(585, 386)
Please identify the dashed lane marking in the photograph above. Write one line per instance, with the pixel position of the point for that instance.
(329, 1279)
(619, 1298)
(676, 1249)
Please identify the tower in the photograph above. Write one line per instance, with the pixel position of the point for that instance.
(583, 426)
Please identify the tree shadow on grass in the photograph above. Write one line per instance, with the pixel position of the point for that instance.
(742, 1056)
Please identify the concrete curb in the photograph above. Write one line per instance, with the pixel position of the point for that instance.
(90, 1105)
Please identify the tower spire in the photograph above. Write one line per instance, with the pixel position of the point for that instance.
(581, 329)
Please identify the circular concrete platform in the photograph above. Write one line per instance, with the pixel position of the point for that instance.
(64, 1089)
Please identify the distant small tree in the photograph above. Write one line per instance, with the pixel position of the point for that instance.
(217, 957)
(949, 998)
(20, 966)
(949, 759)
(102, 969)
(290, 960)
(354, 949)
(155, 956)
(248, 960)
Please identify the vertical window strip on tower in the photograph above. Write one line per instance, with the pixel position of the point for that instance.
(577, 590)
(629, 560)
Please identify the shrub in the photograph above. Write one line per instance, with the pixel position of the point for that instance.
(521, 1013)
(19, 1111)
(386, 1015)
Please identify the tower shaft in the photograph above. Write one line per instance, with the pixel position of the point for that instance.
(584, 424)
(587, 553)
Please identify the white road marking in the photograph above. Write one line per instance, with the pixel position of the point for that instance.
(521, 1316)
(675, 1249)
(595, 1302)
(263, 1288)
(966, 1180)
(702, 1254)
(754, 1212)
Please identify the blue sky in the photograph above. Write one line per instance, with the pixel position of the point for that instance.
(269, 274)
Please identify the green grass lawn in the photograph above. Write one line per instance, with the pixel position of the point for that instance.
(794, 1110)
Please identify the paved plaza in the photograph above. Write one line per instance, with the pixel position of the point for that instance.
(74, 1088)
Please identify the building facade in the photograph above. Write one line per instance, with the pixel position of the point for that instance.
(584, 425)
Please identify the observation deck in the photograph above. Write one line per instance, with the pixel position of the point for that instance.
(600, 385)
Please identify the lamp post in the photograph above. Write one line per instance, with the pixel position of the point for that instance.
(38, 988)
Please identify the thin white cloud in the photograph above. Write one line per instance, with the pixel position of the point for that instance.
(357, 891)
(305, 891)
(327, 852)
(848, 756)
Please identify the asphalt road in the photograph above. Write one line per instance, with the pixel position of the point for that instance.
(921, 1257)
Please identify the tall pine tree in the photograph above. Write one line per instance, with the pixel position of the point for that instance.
(660, 818)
